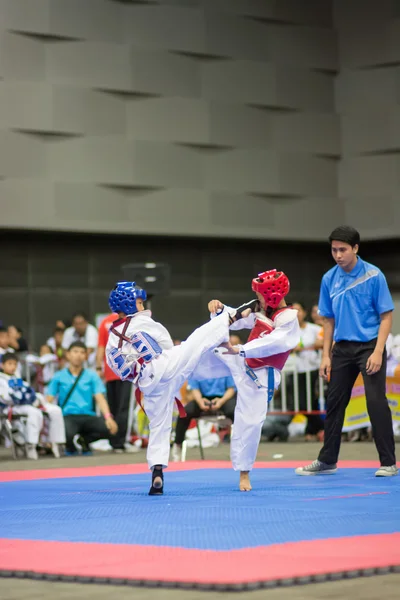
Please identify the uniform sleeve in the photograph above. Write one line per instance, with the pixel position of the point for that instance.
(283, 338)
(4, 392)
(325, 308)
(53, 387)
(382, 298)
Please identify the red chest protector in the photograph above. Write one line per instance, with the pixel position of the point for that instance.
(261, 329)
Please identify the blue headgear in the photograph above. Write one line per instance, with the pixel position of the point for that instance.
(123, 297)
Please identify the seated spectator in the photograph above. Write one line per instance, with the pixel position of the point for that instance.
(46, 364)
(5, 348)
(15, 339)
(78, 391)
(5, 341)
(24, 401)
(82, 331)
(55, 342)
(209, 396)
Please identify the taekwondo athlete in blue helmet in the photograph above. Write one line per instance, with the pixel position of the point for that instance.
(142, 351)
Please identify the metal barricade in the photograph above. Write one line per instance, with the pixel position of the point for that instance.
(281, 404)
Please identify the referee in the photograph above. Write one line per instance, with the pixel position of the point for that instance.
(357, 308)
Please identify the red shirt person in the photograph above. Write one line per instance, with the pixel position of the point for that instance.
(118, 392)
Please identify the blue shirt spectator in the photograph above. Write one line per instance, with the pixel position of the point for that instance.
(212, 388)
(81, 401)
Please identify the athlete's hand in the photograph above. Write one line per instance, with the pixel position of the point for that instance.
(229, 349)
(214, 306)
(374, 363)
(325, 368)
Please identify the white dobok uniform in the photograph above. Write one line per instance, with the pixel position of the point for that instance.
(34, 416)
(256, 372)
(163, 369)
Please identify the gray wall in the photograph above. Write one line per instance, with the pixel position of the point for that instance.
(200, 117)
(367, 97)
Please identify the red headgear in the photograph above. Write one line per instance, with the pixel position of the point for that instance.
(272, 285)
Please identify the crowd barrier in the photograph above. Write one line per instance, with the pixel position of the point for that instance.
(286, 401)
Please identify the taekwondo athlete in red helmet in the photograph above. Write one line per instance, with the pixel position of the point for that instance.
(141, 350)
(256, 366)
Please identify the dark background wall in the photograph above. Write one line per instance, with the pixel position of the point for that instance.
(48, 276)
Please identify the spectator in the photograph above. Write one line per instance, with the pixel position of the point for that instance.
(55, 342)
(16, 341)
(81, 330)
(210, 396)
(78, 390)
(307, 361)
(5, 341)
(22, 398)
(46, 365)
(118, 391)
(315, 316)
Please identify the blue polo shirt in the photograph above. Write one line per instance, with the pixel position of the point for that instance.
(81, 400)
(212, 388)
(355, 300)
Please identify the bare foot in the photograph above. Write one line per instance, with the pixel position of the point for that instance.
(244, 484)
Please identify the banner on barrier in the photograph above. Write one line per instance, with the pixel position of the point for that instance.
(356, 414)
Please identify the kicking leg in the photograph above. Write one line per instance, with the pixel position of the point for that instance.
(251, 409)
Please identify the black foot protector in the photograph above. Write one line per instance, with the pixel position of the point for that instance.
(157, 482)
(244, 311)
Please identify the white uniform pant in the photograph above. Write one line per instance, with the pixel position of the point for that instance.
(250, 412)
(34, 421)
(177, 365)
(56, 423)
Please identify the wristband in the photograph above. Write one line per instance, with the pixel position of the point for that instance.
(108, 416)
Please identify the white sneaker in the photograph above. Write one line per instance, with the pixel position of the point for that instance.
(31, 452)
(387, 471)
(176, 453)
(131, 449)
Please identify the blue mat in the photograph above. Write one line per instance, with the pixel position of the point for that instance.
(201, 509)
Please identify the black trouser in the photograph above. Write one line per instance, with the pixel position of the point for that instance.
(314, 422)
(89, 427)
(193, 411)
(348, 360)
(118, 397)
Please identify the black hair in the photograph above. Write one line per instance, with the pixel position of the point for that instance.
(3, 329)
(59, 330)
(77, 344)
(80, 314)
(346, 234)
(301, 303)
(9, 356)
